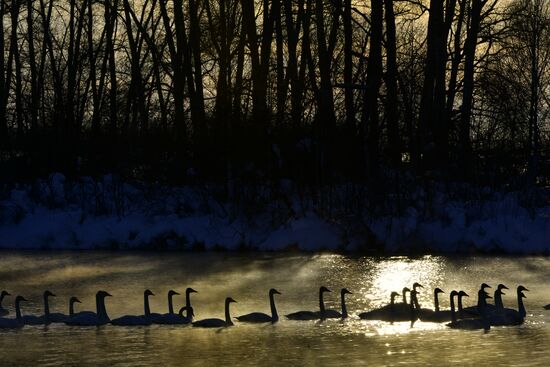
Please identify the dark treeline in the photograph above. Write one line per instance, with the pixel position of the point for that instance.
(312, 90)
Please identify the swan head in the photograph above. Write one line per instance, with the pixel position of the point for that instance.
(501, 286)
(345, 291)
(394, 294)
(4, 293)
(190, 290)
(323, 289)
(74, 300)
(172, 293)
(522, 288)
(438, 290)
(417, 285)
(230, 300)
(49, 294)
(406, 289)
(485, 296)
(273, 291)
(20, 299)
(463, 294)
(522, 295)
(484, 285)
(453, 294)
(103, 294)
(148, 293)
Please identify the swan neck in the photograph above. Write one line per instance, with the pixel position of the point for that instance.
(521, 307)
(170, 304)
(414, 302)
(344, 308)
(101, 310)
(188, 305)
(46, 306)
(71, 307)
(227, 315)
(404, 297)
(1, 299)
(436, 302)
(460, 306)
(453, 315)
(321, 305)
(17, 310)
(146, 307)
(274, 315)
(498, 299)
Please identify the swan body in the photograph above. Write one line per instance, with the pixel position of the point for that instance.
(17, 322)
(259, 317)
(87, 318)
(172, 318)
(472, 324)
(134, 320)
(311, 315)
(384, 313)
(508, 316)
(215, 323)
(3, 311)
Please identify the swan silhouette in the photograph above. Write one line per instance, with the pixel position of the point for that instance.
(334, 314)
(508, 316)
(172, 318)
(133, 320)
(3, 311)
(88, 318)
(57, 317)
(435, 315)
(473, 311)
(472, 324)
(43, 319)
(384, 313)
(215, 323)
(311, 315)
(17, 322)
(259, 317)
(498, 296)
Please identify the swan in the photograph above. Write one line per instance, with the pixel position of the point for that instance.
(334, 314)
(3, 311)
(60, 317)
(508, 316)
(384, 313)
(473, 311)
(141, 320)
(16, 323)
(472, 324)
(435, 315)
(172, 318)
(43, 319)
(211, 323)
(188, 308)
(87, 318)
(155, 316)
(311, 315)
(439, 315)
(414, 307)
(262, 317)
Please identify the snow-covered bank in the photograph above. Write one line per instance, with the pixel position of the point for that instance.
(55, 214)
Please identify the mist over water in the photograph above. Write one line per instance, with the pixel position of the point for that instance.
(247, 277)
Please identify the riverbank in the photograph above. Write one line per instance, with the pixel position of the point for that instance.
(111, 214)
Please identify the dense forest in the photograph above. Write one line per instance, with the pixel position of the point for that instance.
(256, 91)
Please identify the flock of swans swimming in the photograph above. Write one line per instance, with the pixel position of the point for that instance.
(482, 316)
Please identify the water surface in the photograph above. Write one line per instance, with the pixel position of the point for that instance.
(247, 278)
